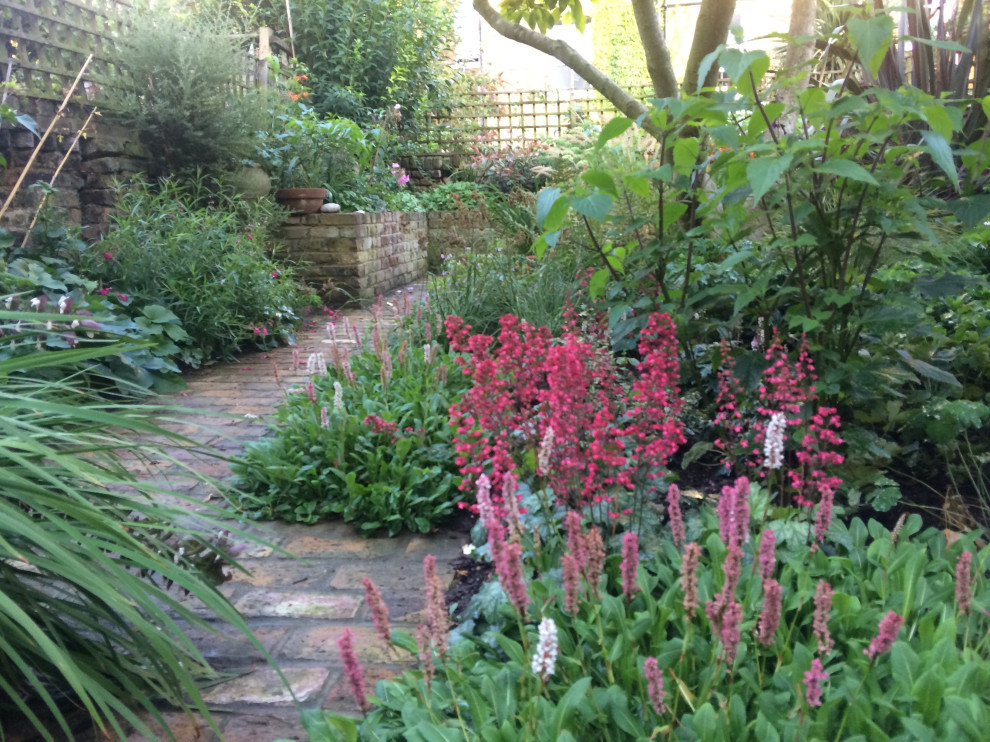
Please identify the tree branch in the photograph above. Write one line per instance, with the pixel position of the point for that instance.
(657, 56)
(625, 103)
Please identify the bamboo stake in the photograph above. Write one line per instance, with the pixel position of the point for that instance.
(55, 175)
(292, 41)
(44, 138)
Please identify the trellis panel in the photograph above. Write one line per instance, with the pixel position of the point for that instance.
(46, 43)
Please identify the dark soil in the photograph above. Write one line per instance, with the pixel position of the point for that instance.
(469, 576)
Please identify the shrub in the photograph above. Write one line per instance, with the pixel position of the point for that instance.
(209, 264)
(486, 283)
(88, 553)
(179, 93)
(366, 440)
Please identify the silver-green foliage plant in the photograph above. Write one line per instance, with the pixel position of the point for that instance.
(180, 93)
(92, 566)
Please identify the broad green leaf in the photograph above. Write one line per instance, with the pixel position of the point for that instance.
(940, 121)
(685, 154)
(544, 201)
(871, 39)
(600, 180)
(638, 185)
(763, 173)
(599, 280)
(739, 65)
(847, 169)
(557, 215)
(596, 206)
(613, 128)
(972, 211)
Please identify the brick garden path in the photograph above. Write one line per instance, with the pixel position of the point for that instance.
(297, 607)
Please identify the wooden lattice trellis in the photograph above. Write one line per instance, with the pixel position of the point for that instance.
(514, 117)
(46, 42)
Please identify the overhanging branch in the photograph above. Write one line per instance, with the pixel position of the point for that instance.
(623, 101)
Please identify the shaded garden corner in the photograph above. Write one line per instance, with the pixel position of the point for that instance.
(296, 606)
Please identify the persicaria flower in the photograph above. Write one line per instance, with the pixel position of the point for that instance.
(546, 450)
(486, 510)
(436, 606)
(770, 615)
(594, 554)
(324, 418)
(964, 590)
(813, 680)
(545, 657)
(731, 619)
(103, 292)
(353, 670)
(654, 685)
(107, 256)
(630, 563)
(766, 558)
(823, 519)
(773, 446)
(823, 607)
(510, 573)
(733, 512)
(338, 397)
(689, 578)
(674, 513)
(886, 635)
(572, 583)
(379, 611)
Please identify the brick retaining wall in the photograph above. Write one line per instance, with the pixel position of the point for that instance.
(357, 256)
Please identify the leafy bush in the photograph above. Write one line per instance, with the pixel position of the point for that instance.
(44, 278)
(208, 264)
(877, 636)
(367, 440)
(366, 56)
(487, 283)
(840, 229)
(88, 553)
(179, 93)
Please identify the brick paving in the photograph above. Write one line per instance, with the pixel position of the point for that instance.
(296, 605)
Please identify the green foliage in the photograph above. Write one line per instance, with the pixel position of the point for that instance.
(91, 561)
(484, 284)
(377, 453)
(618, 50)
(842, 230)
(928, 685)
(305, 150)
(453, 196)
(179, 93)
(367, 56)
(207, 264)
(43, 278)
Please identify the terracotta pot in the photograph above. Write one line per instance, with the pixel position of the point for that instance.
(301, 200)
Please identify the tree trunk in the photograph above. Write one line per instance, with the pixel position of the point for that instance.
(657, 56)
(712, 28)
(798, 55)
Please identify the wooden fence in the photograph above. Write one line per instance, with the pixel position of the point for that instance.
(503, 119)
(46, 42)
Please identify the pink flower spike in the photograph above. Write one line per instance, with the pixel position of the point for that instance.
(964, 589)
(730, 632)
(654, 685)
(107, 256)
(812, 683)
(572, 583)
(886, 635)
(766, 558)
(103, 292)
(823, 607)
(353, 670)
(436, 606)
(630, 563)
(379, 611)
(689, 578)
(770, 616)
(674, 513)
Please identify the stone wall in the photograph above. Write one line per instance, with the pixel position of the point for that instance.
(357, 256)
(85, 184)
